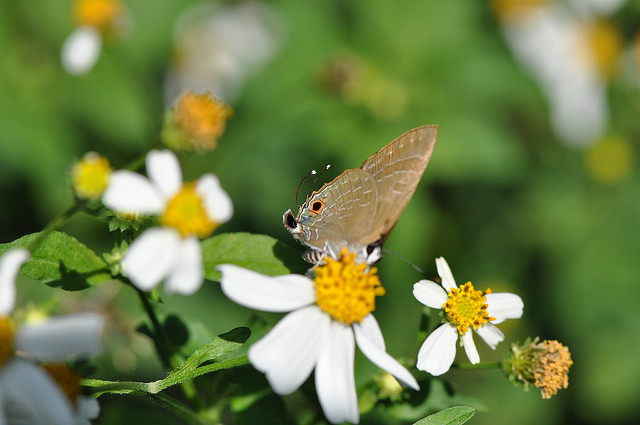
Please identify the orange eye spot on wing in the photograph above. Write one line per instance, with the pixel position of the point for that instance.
(316, 206)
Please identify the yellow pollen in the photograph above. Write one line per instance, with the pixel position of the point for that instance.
(67, 380)
(346, 290)
(187, 214)
(467, 307)
(91, 176)
(551, 371)
(7, 333)
(100, 14)
(196, 123)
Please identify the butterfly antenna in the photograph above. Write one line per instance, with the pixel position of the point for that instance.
(316, 179)
(312, 172)
(413, 266)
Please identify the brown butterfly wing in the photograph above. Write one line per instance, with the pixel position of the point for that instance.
(396, 170)
(347, 212)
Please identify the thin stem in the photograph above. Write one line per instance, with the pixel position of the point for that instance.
(480, 366)
(54, 224)
(177, 408)
(166, 350)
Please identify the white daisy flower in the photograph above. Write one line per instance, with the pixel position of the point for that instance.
(81, 50)
(464, 309)
(328, 316)
(28, 394)
(186, 212)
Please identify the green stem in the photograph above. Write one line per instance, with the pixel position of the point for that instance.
(166, 350)
(481, 366)
(129, 387)
(177, 408)
(54, 224)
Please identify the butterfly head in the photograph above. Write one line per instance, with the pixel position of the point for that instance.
(293, 225)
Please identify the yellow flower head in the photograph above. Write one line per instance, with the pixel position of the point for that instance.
(102, 15)
(91, 176)
(196, 123)
(346, 290)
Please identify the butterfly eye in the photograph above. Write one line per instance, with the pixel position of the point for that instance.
(289, 220)
(316, 207)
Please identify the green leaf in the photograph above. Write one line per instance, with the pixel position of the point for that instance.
(61, 261)
(260, 253)
(452, 416)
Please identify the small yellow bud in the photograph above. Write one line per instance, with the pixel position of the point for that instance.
(91, 176)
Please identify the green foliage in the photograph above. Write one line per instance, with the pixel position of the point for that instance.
(61, 261)
(260, 253)
(452, 416)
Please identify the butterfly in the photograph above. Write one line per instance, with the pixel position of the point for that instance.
(359, 208)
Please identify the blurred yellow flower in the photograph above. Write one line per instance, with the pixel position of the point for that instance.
(196, 123)
(91, 176)
(102, 15)
(610, 160)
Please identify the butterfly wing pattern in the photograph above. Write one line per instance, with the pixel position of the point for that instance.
(359, 208)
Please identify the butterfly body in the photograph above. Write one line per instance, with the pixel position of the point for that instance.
(359, 208)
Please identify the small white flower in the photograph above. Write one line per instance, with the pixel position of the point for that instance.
(186, 212)
(465, 309)
(311, 337)
(10, 264)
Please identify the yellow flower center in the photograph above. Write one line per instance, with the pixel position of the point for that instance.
(467, 307)
(606, 44)
(187, 214)
(7, 333)
(91, 176)
(100, 14)
(346, 290)
(196, 123)
(67, 380)
(551, 372)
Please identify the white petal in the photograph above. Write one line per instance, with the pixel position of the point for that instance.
(370, 327)
(31, 395)
(439, 350)
(490, 334)
(430, 293)
(334, 376)
(448, 282)
(81, 50)
(216, 201)
(57, 339)
(187, 274)
(275, 294)
(288, 353)
(130, 192)
(10, 264)
(503, 306)
(151, 257)
(380, 357)
(163, 168)
(88, 408)
(470, 347)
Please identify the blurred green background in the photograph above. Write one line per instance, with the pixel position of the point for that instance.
(504, 200)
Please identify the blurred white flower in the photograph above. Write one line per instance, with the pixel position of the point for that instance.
(186, 212)
(464, 309)
(327, 317)
(27, 392)
(94, 20)
(571, 53)
(216, 48)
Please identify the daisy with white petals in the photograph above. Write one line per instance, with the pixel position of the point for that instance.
(186, 212)
(464, 309)
(28, 394)
(328, 316)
